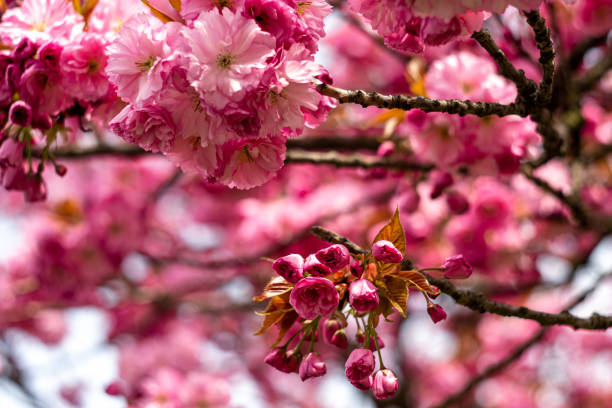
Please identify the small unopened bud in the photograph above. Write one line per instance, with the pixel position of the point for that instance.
(20, 114)
(357, 269)
(339, 339)
(312, 366)
(359, 365)
(334, 257)
(436, 313)
(456, 267)
(314, 267)
(290, 267)
(457, 202)
(364, 384)
(385, 149)
(385, 384)
(24, 50)
(385, 251)
(60, 170)
(283, 360)
(363, 296)
(440, 180)
(35, 189)
(360, 336)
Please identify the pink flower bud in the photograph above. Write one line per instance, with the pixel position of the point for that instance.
(385, 149)
(385, 384)
(360, 336)
(339, 339)
(290, 267)
(24, 50)
(363, 296)
(440, 180)
(35, 189)
(312, 297)
(61, 170)
(116, 388)
(385, 251)
(435, 292)
(409, 201)
(50, 54)
(314, 267)
(457, 202)
(20, 114)
(381, 343)
(335, 257)
(456, 267)
(312, 366)
(330, 327)
(357, 269)
(11, 153)
(359, 365)
(364, 384)
(283, 360)
(436, 313)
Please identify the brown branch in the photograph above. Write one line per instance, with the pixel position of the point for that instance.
(496, 368)
(456, 106)
(526, 88)
(575, 58)
(354, 160)
(547, 55)
(479, 303)
(491, 370)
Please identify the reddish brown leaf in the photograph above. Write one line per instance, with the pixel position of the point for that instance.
(284, 325)
(176, 4)
(416, 280)
(277, 286)
(274, 312)
(393, 232)
(395, 291)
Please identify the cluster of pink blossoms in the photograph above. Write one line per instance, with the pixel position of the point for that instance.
(324, 290)
(220, 88)
(408, 26)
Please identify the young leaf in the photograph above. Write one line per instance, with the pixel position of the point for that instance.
(284, 325)
(395, 291)
(277, 286)
(393, 232)
(416, 280)
(276, 309)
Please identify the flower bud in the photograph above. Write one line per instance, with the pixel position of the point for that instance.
(363, 296)
(312, 297)
(385, 149)
(334, 257)
(20, 114)
(385, 251)
(435, 292)
(116, 388)
(49, 54)
(385, 384)
(364, 384)
(440, 180)
(456, 267)
(339, 339)
(35, 189)
(61, 170)
(24, 50)
(409, 201)
(283, 360)
(312, 366)
(357, 269)
(314, 267)
(41, 121)
(360, 336)
(11, 153)
(436, 313)
(381, 343)
(330, 327)
(290, 267)
(457, 202)
(359, 365)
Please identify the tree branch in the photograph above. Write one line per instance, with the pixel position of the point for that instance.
(353, 160)
(590, 79)
(456, 106)
(547, 55)
(526, 88)
(496, 368)
(479, 303)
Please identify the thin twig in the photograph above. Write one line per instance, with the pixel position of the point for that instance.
(591, 77)
(547, 55)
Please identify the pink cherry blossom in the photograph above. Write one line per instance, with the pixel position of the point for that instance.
(313, 296)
